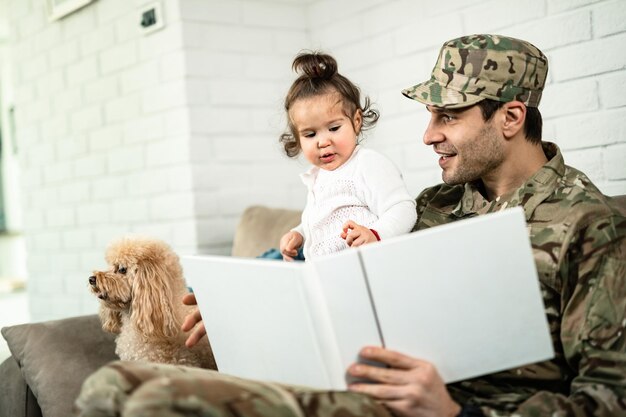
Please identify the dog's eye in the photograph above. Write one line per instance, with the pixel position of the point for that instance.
(121, 269)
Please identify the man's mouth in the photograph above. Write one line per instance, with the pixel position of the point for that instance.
(444, 157)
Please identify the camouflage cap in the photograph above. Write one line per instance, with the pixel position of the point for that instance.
(472, 68)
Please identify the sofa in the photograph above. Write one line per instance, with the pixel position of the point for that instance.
(50, 360)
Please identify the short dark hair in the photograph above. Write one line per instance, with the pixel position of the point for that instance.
(533, 125)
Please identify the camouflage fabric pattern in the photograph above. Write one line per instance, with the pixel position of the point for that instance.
(135, 389)
(578, 239)
(472, 68)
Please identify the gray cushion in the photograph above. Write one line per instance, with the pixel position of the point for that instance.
(55, 357)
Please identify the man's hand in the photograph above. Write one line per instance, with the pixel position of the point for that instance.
(357, 235)
(289, 245)
(409, 387)
(191, 320)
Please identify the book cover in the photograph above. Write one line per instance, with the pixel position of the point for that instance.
(464, 296)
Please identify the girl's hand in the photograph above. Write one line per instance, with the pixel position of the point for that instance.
(357, 235)
(289, 245)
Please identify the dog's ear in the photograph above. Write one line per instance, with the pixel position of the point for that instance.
(152, 311)
(111, 319)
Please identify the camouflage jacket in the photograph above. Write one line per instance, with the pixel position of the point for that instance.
(579, 245)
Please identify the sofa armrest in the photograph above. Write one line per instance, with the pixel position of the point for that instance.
(16, 398)
(261, 228)
(54, 358)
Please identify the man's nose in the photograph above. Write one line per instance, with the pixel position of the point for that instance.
(432, 135)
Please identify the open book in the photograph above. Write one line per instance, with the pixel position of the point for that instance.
(464, 296)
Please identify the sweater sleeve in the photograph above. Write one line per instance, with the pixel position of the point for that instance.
(387, 196)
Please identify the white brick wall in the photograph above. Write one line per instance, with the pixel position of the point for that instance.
(173, 134)
(92, 97)
(237, 60)
(583, 106)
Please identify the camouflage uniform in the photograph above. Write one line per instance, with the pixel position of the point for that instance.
(579, 244)
(136, 389)
(578, 238)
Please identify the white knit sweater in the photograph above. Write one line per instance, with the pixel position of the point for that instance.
(367, 189)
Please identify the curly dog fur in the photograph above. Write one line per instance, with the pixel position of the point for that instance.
(141, 300)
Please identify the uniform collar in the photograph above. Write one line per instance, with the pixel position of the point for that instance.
(532, 193)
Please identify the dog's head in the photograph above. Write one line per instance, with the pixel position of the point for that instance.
(140, 281)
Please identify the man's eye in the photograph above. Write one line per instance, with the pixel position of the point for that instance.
(121, 269)
(447, 118)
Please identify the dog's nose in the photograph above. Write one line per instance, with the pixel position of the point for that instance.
(92, 280)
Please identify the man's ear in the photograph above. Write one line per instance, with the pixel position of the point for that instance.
(514, 118)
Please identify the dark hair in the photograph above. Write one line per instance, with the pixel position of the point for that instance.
(318, 75)
(533, 125)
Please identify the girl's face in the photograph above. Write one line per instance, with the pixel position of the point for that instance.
(327, 136)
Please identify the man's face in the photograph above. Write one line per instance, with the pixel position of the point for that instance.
(469, 148)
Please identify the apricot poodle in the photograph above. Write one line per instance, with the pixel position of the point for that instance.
(141, 300)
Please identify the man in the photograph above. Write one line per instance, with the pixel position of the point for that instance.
(485, 127)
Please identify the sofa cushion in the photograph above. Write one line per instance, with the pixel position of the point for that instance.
(261, 228)
(55, 357)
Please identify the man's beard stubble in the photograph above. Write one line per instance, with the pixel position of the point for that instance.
(476, 157)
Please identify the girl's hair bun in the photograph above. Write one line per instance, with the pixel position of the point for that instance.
(315, 65)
